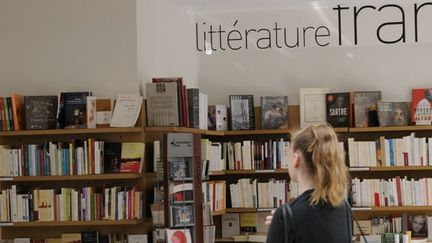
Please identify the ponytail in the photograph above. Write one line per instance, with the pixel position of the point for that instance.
(324, 160)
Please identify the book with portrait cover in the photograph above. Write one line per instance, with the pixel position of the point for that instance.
(182, 215)
(40, 112)
(365, 108)
(180, 168)
(242, 112)
(274, 112)
(75, 109)
(393, 113)
(421, 106)
(338, 109)
(217, 118)
(416, 223)
(178, 236)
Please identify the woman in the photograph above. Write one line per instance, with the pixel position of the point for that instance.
(319, 214)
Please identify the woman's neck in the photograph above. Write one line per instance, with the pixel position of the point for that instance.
(305, 183)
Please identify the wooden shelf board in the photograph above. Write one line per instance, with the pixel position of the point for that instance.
(241, 210)
(341, 129)
(175, 129)
(257, 132)
(77, 223)
(220, 212)
(393, 209)
(71, 131)
(116, 176)
(391, 168)
(259, 172)
(216, 173)
(390, 129)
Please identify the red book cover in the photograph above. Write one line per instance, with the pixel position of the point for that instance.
(18, 111)
(398, 189)
(421, 109)
(3, 115)
(185, 106)
(405, 156)
(377, 199)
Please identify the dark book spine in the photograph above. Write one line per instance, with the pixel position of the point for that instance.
(11, 118)
(193, 102)
(6, 112)
(2, 126)
(251, 114)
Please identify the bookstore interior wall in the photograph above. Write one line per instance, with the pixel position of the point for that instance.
(53, 46)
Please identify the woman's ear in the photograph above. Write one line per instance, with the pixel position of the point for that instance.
(296, 160)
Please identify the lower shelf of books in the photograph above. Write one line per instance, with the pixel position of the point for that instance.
(71, 223)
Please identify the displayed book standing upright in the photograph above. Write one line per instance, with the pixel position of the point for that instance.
(183, 194)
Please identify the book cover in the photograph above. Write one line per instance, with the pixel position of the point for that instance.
(417, 224)
(71, 237)
(242, 112)
(132, 157)
(312, 106)
(182, 192)
(162, 104)
(178, 236)
(91, 111)
(89, 236)
(180, 168)
(421, 106)
(217, 118)
(182, 216)
(18, 109)
(112, 157)
(137, 238)
(248, 223)
(40, 112)
(230, 225)
(75, 109)
(338, 109)
(274, 112)
(159, 236)
(181, 96)
(393, 113)
(365, 108)
(103, 112)
(193, 103)
(126, 110)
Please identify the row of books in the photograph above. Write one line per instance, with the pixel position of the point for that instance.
(67, 110)
(80, 157)
(419, 225)
(214, 192)
(86, 237)
(405, 151)
(246, 155)
(237, 224)
(70, 204)
(363, 108)
(392, 192)
(248, 193)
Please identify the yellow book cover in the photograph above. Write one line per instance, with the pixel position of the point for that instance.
(71, 238)
(132, 155)
(248, 223)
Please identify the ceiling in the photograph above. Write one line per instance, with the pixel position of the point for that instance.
(239, 5)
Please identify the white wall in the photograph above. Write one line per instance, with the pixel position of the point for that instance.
(166, 42)
(47, 46)
(393, 69)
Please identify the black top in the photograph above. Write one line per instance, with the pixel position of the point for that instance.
(312, 224)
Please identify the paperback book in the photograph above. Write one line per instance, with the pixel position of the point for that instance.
(242, 112)
(40, 112)
(365, 108)
(393, 113)
(274, 112)
(338, 109)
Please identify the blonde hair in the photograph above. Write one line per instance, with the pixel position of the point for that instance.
(324, 161)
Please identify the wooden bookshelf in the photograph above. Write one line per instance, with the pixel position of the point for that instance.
(394, 209)
(391, 168)
(241, 210)
(390, 129)
(259, 172)
(257, 132)
(71, 131)
(74, 223)
(220, 212)
(116, 176)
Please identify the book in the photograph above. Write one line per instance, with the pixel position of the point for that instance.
(132, 157)
(178, 236)
(137, 238)
(182, 99)
(91, 111)
(163, 106)
(71, 237)
(103, 112)
(365, 108)
(417, 224)
(242, 114)
(182, 216)
(18, 110)
(182, 192)
(158, 236)
(193, 103)
(89, 237)
(126, 110)
(248, 223)
(112, 157)
(421, 106)
(75, 109)
(180, 168)
(230, 225)
(217, 118)
(393, 113)
(312, 106)
(274, 112)
(40, 112)
(338, 107)
(22, 240)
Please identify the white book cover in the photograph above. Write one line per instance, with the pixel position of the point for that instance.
(22, 240)
(126, 111)
(312, 106)
(221, 118)
(230, 225)
(91, 111)
(137, 238)
(203, 111)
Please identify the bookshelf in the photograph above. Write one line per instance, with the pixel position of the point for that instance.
(54, 229)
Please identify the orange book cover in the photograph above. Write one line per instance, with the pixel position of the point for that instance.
(18, 111)
(103, 112)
